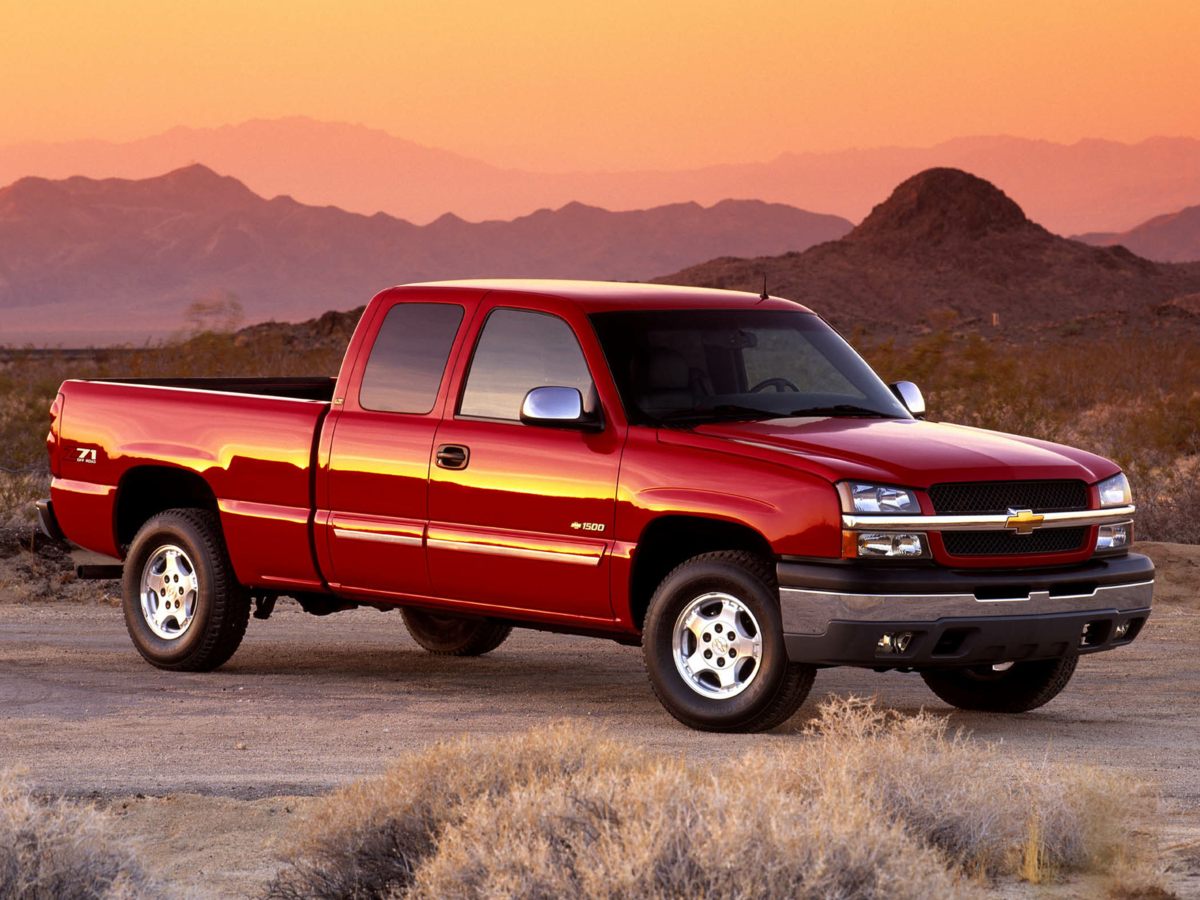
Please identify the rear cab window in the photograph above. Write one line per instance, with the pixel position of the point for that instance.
(408, 359)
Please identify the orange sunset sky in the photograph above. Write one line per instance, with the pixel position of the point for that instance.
(613, 84)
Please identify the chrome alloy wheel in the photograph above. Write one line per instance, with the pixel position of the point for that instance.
(717, 646)
(168, 592)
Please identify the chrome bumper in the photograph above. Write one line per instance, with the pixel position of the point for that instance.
(810, 612)
(850, 615)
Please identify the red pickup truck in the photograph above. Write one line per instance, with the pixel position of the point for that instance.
(715, 475)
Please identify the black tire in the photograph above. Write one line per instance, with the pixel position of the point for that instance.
(446, 634)
(777, 687)
(221, 605)
(1020, 688)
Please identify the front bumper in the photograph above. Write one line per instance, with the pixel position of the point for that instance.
(835, 614)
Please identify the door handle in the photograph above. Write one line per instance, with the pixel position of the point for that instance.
(453, 456)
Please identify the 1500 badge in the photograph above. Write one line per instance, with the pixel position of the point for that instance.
(587, 526)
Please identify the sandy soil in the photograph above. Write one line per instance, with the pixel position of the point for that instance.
(205, 772)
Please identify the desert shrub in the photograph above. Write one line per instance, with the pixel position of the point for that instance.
(867, 804)
(978, 805)
(1128, 400)
(673, 833)
(367, 839)
(1168, 501)
(61, 851)
(18, 491)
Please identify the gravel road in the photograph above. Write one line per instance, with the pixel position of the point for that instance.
(308, 704)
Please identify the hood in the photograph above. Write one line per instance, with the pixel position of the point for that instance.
(905, 452)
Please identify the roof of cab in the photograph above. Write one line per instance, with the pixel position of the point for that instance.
(597, 296)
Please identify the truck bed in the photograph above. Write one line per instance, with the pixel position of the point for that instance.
(300, 388)
(248, 443)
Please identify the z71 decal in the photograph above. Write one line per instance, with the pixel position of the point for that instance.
(85, 454)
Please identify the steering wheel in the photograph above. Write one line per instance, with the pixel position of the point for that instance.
(780, 384)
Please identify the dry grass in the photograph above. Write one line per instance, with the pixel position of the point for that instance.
(1168, 498)
(18, 491)
(1136, 403)
(870, 804)
(61, 851)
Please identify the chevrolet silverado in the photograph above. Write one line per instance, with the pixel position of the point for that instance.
(715, 475)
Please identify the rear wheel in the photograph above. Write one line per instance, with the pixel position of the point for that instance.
(450, 635)
(183, 606)
(713, 646)
(1006, 687)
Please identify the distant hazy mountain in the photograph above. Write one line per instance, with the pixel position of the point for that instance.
(117, 260)
(947, 244)
(1174, 237)
(1092, 185)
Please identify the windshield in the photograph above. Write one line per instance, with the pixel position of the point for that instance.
(691, 366)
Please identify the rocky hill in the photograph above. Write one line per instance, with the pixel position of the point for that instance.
(328, 333)
(116, 260)
(1174, 237)
(948, 246)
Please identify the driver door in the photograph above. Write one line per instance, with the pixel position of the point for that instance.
(521, 516)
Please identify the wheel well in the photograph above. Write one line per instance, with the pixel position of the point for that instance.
(148, 490)
(670, 540)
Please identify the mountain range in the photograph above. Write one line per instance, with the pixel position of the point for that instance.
(947, 248)
(114, 260)
(1087, 186)
(1173, 237)
(86, 261)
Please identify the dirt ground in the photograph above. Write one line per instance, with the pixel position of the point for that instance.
(206, 772)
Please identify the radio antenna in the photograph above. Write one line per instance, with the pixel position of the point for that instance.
(764, 295)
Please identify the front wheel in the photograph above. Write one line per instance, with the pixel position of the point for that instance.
(449, 635)
(184, 609)
(1006, 687)
(713, 646)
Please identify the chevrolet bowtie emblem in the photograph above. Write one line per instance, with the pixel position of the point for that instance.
(1023, 521)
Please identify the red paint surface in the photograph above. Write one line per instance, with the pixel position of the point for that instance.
(497, 537)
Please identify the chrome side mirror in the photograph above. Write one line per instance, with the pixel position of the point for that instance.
(910, 395)
(555, 407)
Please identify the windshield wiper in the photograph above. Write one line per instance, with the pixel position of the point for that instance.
(733, 412)
(723, 412)
(842, 409)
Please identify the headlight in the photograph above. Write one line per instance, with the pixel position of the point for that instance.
(1115, 491)
(858, 497)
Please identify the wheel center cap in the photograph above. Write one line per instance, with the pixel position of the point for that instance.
(721, 644)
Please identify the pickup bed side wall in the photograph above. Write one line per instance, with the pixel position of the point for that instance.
(253, 452)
